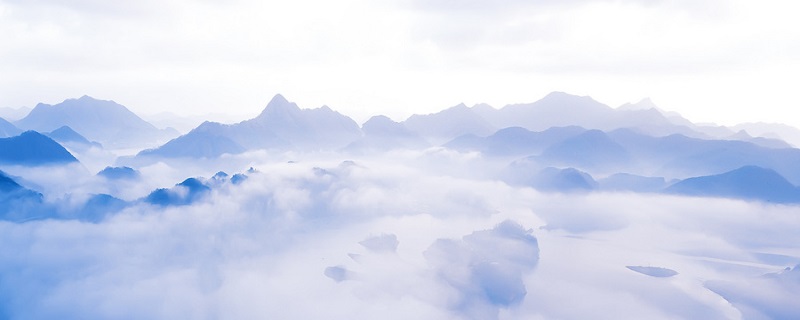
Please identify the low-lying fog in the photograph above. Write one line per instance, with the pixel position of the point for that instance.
(432, 234)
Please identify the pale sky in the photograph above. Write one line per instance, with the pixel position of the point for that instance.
(726, 61)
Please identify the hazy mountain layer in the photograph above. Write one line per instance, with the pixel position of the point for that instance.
(281, 125)
(104, 121)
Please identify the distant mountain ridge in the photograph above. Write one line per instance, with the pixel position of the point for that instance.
(14, 114)
(7, 129)
(281, 125)
(105, 121)
(449, 123)
(748, 182)
(71, 139)
(383, 134)
(557, 109)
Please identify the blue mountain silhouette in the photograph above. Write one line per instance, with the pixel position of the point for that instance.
(108, 122)
(33, 148)
(686, 156)
(100, 206)
(18, 203)
(592, 149)
(71, 139)
(192, 190)
(282, 124)
(563, 180)
(199, 143)
(115, 173)
(748, 182)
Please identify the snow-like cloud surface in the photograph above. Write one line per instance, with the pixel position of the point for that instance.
(389, 238)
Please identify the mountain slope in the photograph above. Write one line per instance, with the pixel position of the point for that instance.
(7, 129)
(681, 156)
(71, 139)
(17, 203)
(13, 114)
(184, 193)
(748, 182)
(592, 149)
(281, 125)
(557, 109)
(108, 122)
(632, 182)
(33, 148)
(320, 128)
(198, 143)
(383, 134)
(563, 180)
(450, 123)
(513, 141)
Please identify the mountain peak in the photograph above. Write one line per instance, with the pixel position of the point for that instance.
(563, 98)
(279, 104)
(85, 99)
(644, 104)
(33, 148)
(379, 120)
(97, 120)
(647, 102)
(459, 108)
(278, 99)
(381, 124)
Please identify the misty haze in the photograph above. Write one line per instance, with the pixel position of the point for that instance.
(560, 208)
(401, 159)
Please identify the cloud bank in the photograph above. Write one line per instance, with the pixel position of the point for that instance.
(391, 237)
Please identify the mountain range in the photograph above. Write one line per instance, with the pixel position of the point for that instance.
(104, 121)
(557, 141)
(560, 109)
(384, 134)
(14, 114)
(281, 125)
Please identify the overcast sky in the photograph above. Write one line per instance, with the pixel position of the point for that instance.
(727, 61)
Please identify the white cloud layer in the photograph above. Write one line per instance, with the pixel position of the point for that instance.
(390, 238)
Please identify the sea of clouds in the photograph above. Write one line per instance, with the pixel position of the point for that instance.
(422, 235)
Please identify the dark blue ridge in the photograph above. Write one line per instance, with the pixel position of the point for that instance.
(119, 173)
(33, 148)
(18, 203)
(195, 188)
